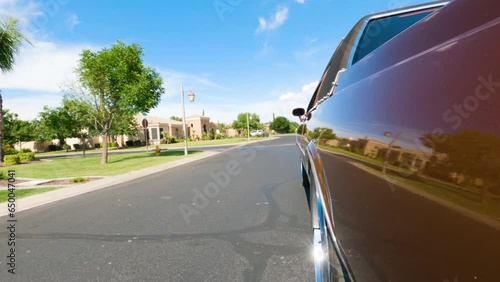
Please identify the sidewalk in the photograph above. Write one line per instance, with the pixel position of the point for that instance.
(131, 150)
(78, 189)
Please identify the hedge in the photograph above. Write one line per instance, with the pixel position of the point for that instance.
(26, 157)
(53, 147)
(129, 143)
(11, 159)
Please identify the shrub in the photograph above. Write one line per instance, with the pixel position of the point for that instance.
(173, 140)
(77, 146)
(26, 157)
(78, 180)
(3, 175)
(66, 147)
(25, 150)
(204, 136)
(52, 147)
(129, 143)
(138, 143)
(11, 159)
(9, 150)
(97, 145)
(112, 145)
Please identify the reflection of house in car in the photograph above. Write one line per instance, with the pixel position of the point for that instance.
(410, 159)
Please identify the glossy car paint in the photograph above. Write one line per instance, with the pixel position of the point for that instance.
(412, 192)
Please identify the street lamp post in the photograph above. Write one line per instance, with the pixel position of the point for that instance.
(248, 129)
(191, 99)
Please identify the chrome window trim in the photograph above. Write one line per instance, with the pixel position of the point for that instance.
(383, 15)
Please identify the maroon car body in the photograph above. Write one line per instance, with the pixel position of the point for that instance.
(407, 187)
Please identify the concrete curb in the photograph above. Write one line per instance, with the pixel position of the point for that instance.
(79, 189)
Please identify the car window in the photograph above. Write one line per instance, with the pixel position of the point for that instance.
(381, 30)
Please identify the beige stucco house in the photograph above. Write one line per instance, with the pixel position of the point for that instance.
(414, 160)
(195, 126)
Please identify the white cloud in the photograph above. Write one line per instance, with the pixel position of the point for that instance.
(45, 66)
(274, 22)
(28, 107)
(300, 1)
(72, 21)
(172, 81)
(226, 112)
(33, 16)
(300, 97)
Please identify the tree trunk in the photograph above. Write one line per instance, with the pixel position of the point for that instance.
(1, 128)
(104, 157)
(84, 145)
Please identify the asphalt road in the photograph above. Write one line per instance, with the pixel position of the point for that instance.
(238, 216)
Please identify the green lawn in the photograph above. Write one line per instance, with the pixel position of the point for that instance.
(191, 144)
(21, 193)
(74, 166)
(349, 154)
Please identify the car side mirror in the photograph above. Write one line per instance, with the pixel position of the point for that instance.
(298, 112)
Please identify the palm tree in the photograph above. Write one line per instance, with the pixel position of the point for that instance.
(10, 43)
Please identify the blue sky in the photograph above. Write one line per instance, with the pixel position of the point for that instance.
(236, 55)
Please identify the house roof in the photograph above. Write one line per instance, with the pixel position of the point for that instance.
(154, 119)
(196, 116)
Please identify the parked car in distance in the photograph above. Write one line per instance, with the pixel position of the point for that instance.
(401, 146)
(256, 132)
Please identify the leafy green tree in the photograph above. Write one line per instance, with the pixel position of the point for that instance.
(16, 130)
(467, 153)
(293, 126)
(322, 133)
(11, 40)
(82, 123)
(280, 125)
(125, 125)
(115, 85)
(176, 118)
(222, 127)
(22, 131)
(241, 121)
(302, 128)
(55, 123)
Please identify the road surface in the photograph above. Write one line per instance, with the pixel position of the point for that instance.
(238, 216)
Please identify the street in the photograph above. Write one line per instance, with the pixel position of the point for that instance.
(238, 216)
